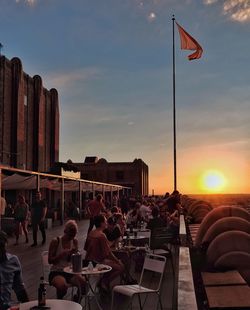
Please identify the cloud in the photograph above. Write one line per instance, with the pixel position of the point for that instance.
(238, 10)
(28, 2)
(151, 17)
(210, 1)
(64, 79)
(150, 8)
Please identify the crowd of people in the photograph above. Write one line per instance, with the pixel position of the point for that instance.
(23, 214)
(107, 227)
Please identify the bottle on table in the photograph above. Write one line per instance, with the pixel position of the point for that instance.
(42, 293)
(142, 225)
(76, 260)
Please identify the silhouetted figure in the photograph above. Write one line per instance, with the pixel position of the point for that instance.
(95, 207)
(38, 214)
(21, 212)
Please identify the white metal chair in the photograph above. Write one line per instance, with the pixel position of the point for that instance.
(46, 270)
(153, 263)
(45, 266)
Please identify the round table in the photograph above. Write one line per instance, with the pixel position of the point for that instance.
(99, 269)
(134, 237)
(54, 304)
(137, 230)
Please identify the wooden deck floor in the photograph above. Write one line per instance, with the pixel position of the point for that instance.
(32, 269)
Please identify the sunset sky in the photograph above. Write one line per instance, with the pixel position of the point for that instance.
(111, 61)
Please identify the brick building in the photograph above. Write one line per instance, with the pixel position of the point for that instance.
(29, 119)
(131, 174)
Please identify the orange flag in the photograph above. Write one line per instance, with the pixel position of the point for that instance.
(189, 43)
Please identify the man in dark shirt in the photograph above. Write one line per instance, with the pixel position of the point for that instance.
(38, 213)
(173, 202)
(156, 221)
(10, 276)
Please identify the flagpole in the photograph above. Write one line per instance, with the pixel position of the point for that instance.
(174, 112)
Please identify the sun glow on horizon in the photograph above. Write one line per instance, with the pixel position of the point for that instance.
(213, 181)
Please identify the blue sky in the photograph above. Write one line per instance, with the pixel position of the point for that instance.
(111, 63)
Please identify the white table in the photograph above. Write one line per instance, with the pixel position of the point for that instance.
(134, 237)
(97, 271)
(137, 230)
(54, 304)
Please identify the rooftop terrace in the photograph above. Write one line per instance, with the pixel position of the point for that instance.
(32, 270)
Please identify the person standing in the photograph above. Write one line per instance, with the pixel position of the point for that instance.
(38, 213)
(3, 206)
(95, 207)
(173, 202)
(21, 211)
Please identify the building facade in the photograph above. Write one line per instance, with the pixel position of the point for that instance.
(131, 174)
(29, 119)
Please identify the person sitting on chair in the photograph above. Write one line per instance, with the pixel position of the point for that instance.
(10, 276)
(133, 216)
(60, 251)
(115, 229)
(97, 249)
(156, 221)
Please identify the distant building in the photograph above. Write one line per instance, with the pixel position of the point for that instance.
(29, 119)
(131, 174)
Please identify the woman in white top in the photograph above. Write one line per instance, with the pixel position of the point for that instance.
(60, 252)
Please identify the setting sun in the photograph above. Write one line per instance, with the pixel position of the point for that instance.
(213, 181)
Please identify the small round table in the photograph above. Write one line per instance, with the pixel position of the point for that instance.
(132, 237)
(137, 230)
(99, 269)
(53, 304)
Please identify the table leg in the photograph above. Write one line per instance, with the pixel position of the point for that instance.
(94, 294)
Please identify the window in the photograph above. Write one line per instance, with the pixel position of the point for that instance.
(119, 175)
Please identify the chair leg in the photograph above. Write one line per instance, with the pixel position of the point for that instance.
(172, 264)
(85, 302)
(173, 294)
(89, 303)
(78, 293)
(139, 297)
(159, 298)
(112, 300)
(130, 303)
